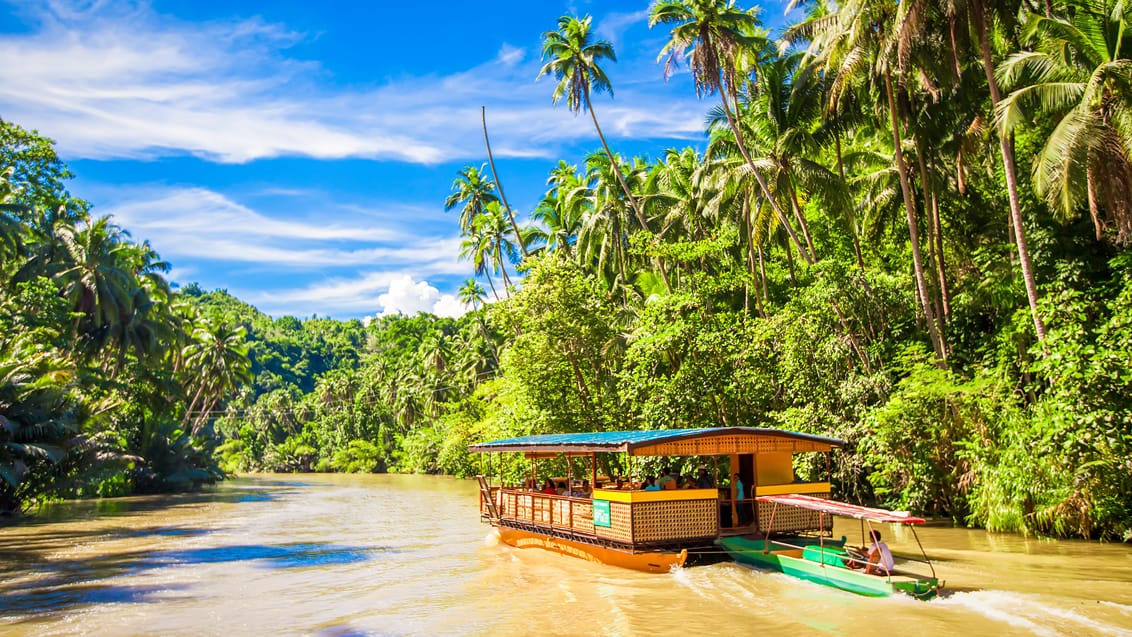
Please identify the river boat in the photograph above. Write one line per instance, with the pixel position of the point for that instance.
(621, 523)
(831, 563)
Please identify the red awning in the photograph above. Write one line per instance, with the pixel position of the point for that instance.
(845, 509)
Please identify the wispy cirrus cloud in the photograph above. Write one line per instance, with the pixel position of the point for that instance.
(382, 262)
(113, 81)
(195, 224)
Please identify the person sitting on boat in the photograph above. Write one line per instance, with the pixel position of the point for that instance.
(548, 488)
(880, 558)
(583, 491)
(667, 479)
(651, 485)
(703, 480)
(560, 488)
(688, 482)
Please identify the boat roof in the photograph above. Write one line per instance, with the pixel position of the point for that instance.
(668, 442)
(845, 509)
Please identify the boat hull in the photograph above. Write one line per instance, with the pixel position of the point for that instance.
(649, 562)
(826, 569)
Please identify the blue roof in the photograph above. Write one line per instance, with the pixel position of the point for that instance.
(624, 441)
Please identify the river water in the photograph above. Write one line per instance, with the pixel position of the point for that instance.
(346, 555)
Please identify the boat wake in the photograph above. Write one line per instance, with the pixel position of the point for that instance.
(1042, 615)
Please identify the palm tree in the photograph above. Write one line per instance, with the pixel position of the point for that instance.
(572, 58)
(216, 363)
(1080, 76)
(721, 38)
(471, 293)
(489, 244)
(605, 226)
(474, 190)
(857, 42)
(477, 247)
(914, 24)
(95, 279)
(499, 186)
(559, 211)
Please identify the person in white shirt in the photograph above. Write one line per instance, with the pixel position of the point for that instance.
(880, 558)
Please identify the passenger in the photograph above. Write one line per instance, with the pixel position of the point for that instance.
(743, 507)
(667, 478)
(583, 490)
(548, 488)
(703, 480)
(880, 558)
(651, 485)
(689, 482)
(560, 488)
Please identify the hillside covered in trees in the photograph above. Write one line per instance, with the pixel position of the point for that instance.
(908, 228)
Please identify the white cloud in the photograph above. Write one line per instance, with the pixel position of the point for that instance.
(408, 297)
(192, 224)
(121, 81)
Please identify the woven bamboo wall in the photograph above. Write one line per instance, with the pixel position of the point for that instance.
(674, 520)
(738, 443)
(620, 523)
(583, 517)
(790, 519)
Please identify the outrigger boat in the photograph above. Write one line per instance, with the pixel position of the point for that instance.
(626, 525)
(829, 562)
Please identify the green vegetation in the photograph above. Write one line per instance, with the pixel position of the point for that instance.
(909, 230)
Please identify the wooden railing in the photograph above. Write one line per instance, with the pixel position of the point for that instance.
(557, 511)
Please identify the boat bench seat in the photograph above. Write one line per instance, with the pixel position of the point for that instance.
(830, 555)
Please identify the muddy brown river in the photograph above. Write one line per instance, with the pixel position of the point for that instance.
(346, 555)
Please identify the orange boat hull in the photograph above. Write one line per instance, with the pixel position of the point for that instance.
(652, 562)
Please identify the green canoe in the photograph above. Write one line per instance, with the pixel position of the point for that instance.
(823, 560)
(824, 565)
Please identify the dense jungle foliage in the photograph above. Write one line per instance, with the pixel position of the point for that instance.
(909, 229)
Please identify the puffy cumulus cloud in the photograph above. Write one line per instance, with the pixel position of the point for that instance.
(409, 297)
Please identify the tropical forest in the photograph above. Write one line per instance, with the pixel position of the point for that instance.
(907, 226)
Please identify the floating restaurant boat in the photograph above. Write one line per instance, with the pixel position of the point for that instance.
(655, 530)
(830, 563)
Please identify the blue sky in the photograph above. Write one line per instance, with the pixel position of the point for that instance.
(298, 153)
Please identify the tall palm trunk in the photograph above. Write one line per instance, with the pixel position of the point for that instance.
(913, 226)
(801, 219)
(1006, 148)
(944, 287)
(732, 121)
(935, 244)
(499, 186)
(853, 226)
(625, 187)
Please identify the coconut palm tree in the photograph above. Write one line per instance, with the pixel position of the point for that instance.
(95, 278)
(472, 190)
(721, 39)
(559, 211)
(573, 59)
(216, 363)
(915, 21)
(1079, 75)
(857, 44)
(471, 293)
(478, 248)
